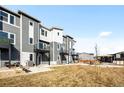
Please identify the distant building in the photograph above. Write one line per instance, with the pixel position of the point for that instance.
(118, 58)
(106, 58)
(86, 56)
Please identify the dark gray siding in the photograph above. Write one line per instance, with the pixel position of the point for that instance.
(26, 47)
(17, 21)
(56, 52)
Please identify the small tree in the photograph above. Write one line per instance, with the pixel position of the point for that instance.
(96, 52)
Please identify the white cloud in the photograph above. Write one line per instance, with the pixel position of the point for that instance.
(104, 34)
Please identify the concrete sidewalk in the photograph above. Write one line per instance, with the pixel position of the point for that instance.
(40, 68)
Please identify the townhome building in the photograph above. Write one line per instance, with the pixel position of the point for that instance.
(9, 33)
(24, 40)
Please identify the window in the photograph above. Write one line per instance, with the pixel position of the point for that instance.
(58, 57)
(12, 38)
(42, 32)
(31, 40)
(11, 19)
(58, 46)
(41, 45)
(58, 33)
(3, 35)
(31, 23)
(46, 33)
(31, 57)
(3, 16)
(45, 45)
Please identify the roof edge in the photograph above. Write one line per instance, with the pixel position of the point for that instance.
(8, 10)
(27, 15)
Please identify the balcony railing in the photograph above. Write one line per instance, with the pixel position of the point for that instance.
(41, 46)
(4, 41)
(63, 51)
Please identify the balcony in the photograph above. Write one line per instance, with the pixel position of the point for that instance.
(4, 40)
(63, 51)
(42, 47)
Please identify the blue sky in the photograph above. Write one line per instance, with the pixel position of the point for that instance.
(85, 24)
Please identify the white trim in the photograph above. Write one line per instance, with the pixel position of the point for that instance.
(29, 33)
(8, 22)
(14, 19)
(7, 14)
(9, 36)
(25, 58)
(14, 37)
(32, 41)
(21, 39)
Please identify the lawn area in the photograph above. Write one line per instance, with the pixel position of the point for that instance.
(70, 76)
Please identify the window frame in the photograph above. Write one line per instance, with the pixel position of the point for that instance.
(4, 16)
(11, 38)
(10, 19)
(32, 41)
(46, 33)
(42, 32)
(31, 57)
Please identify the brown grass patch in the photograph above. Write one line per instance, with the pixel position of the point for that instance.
(70, 76)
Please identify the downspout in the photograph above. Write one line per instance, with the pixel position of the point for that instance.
(53, 46)
(9, 53)
(21, 39)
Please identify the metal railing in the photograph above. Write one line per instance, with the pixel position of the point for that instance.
(42, 46)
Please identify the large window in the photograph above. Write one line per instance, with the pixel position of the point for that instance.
(11, 19)
(3, 16)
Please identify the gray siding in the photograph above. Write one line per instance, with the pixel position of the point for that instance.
(26, 47)
(17, 21)
(56, 52)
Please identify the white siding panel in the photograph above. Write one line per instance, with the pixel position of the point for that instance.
(31, 31)
(46, 38)
(56, 37)
(25, 58)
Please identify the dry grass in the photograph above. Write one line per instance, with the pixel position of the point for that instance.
(11, 73)
(70, 76)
